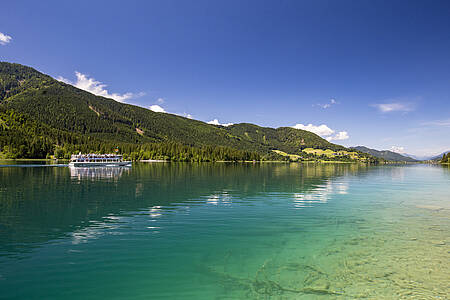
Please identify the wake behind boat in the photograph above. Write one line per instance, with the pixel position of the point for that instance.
(98, 160)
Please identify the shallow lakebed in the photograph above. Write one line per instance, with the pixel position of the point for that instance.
(225, 231)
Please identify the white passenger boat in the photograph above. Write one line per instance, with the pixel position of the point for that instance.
(98, 160)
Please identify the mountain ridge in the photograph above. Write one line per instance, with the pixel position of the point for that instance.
(385, 154)
(439, 156)
(68, 111)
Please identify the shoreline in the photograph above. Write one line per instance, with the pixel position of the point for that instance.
(248, 161)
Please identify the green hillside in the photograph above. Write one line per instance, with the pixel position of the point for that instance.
(385, 154)
(39, 112)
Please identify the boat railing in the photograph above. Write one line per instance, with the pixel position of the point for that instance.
(96, 158)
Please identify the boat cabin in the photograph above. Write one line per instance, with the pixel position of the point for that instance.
(104, 158)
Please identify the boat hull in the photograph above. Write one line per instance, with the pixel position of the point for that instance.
(101, 164)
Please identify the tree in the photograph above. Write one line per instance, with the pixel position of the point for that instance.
(445, 158)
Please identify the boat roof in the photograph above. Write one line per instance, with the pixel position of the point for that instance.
(96, 155)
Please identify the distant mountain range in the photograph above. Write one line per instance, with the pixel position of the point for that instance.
(41, 116)
(426, 157)
(417, 157)
(394, 156)
(438, 157)
(385, 154)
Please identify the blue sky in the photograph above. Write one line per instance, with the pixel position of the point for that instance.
(374, 73)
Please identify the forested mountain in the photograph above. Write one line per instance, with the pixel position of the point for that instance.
(385, 154)
(40, 116)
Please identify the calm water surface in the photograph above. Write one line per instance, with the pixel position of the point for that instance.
(225, 231)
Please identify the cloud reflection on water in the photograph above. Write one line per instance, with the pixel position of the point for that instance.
(320, 194)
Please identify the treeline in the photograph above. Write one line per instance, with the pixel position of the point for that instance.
(66, 108)
(169, 151)
(42, 117)
(178, 152)
(445, 158)
(21, 137)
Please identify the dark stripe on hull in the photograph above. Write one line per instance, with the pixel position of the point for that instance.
(100, 164)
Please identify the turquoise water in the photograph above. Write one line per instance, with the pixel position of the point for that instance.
(225, 231)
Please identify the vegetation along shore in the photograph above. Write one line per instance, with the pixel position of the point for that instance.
(41, 117)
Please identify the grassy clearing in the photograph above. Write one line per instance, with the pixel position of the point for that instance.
(326, 155)
(330, 153)
(292, 157)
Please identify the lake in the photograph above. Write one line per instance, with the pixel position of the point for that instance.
(225, 231)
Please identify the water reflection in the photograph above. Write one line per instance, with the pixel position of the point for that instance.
(222, 198)
(397, 174)
(215, 231)
(155, 211)
(42, 204)
(96, 229)
(98, 173)
(320, 194)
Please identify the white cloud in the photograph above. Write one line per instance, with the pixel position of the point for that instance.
(140, 94)
(397, 149)
(62, 79)
(322, 130)
(157, 108)
(216, 122)
(341, 135)
(444, 123)
(329, 104)
(395, 106)
(4, 39)
(160, 100)
(97, 88)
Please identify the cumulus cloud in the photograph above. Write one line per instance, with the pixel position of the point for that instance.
(397, 149)
(329, 104)
(216, 122)
(97, 88)
(324, 131)
(341, 135)
(157, 108)
(160, 109)
(392, 107)
(4, 39)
